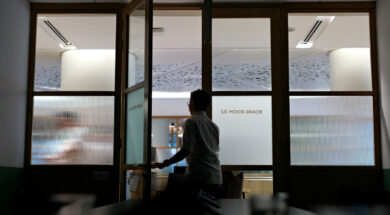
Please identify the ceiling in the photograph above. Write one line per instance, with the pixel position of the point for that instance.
(183, 31)
(239, 44)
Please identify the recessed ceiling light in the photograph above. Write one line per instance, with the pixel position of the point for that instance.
(304, 45)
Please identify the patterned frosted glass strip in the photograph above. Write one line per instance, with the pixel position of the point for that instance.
(136, 51)
(245, 126)
(135, 127)
(332, 130)
(241, 54)
(73, 130)
(177, 53)
(337, 55)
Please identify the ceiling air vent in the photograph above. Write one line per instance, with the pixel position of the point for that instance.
(55, 34)
(319, 26)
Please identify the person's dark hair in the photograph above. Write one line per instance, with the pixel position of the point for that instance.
(201, 99)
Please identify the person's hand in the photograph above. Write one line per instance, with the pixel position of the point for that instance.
(158, 165)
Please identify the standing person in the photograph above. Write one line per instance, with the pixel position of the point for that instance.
(200, 147)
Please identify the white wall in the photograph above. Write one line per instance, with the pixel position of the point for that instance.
(88, 69)
(350, 69)
(383, 38)
(14, 37)
(170, 107)
(160, 132)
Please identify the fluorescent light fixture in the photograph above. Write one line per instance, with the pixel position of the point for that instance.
(303, 45)
(171, 95)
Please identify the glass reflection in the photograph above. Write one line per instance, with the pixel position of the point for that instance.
(136, 50)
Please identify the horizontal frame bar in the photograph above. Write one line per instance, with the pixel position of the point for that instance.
(74, 93)
(331, 93)
(176, 6)
(76, 7)
(247, 5)
(169, 117)
(328, 6)
(247, 167)
(126, 167)
(72, 166)
(241, 12)
(241, 93)
(134, 87)
(340, 167)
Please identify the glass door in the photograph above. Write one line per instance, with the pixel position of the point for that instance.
(136, 106)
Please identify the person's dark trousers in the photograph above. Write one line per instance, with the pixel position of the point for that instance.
(232, 185)
(182, 197)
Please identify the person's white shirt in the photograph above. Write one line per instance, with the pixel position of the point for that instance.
(201, 139)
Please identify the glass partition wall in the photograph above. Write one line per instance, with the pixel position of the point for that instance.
(318, 107)
(74, 90)
(73, 102)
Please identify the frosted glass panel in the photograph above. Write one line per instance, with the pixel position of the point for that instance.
(245, 125)
(336, 130)
(83, 60)
(329, 52)
(241, 54)
(136, 49)
(73, 130)
(135, 127)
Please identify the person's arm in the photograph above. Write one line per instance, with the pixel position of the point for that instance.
(177, 157)
(174, 159)
(188, 143)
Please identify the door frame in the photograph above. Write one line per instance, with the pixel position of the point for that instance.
(146, 84)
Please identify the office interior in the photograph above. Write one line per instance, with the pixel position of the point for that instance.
(92, 93)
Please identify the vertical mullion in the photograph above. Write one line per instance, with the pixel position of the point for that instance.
(148, 97)
(124, 63)
(118, 105)
(206, 50)
(376, 102)
(280, 101)
(30, 90)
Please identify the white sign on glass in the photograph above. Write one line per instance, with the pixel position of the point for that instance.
(245, 125)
